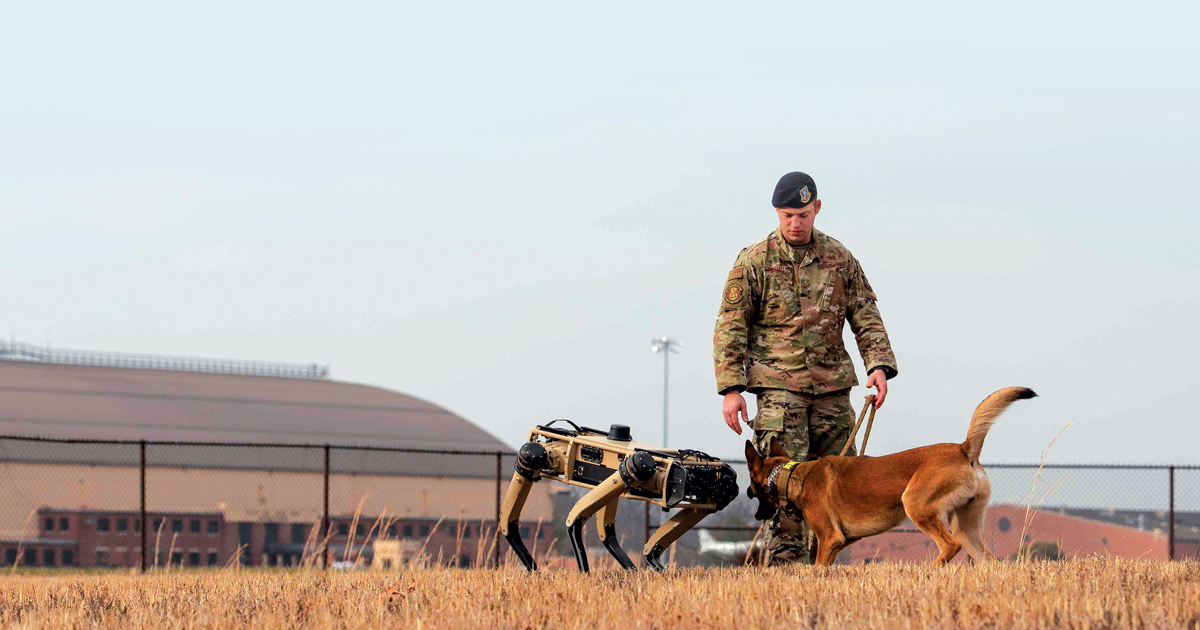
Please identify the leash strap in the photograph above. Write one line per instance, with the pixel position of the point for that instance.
(854, 432)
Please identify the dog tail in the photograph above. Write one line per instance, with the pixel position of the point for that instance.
(986, 413)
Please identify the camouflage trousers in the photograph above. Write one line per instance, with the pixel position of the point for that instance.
(809, 427)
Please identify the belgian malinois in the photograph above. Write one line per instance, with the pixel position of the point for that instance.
(941, 488)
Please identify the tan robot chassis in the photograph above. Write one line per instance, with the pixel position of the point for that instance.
(612, 465)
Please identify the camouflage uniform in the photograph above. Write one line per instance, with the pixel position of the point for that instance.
(779, 335)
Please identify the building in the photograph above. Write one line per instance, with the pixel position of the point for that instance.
(259, 500)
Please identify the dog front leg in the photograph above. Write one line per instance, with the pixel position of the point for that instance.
(830, 542)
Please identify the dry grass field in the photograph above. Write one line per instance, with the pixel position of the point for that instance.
(1096, 593)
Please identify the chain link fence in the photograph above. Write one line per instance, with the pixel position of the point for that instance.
(107, 504)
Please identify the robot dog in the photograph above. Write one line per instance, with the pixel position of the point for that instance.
(612, 465)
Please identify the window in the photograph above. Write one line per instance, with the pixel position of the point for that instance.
(158, 524)
(47, 557)
(194, 527)
(64, 524)
(177, 526)
(391, 532)
(408, 531)
(540, 532)
(122, 524)
(524, 532)
(68, 557)
(214, 527)
(466, 531)
(299, 532)
(424, 530)
(212, 558)
(343, 529)
(358, 529)
(176, 558)
(101, 558)
(1004, 524)
(10, 556)
(50, 524)
(137, 524)
(30, 557)
(244, 534)
(102, 524)
(272, 533)
(194, 558)
(464, 562)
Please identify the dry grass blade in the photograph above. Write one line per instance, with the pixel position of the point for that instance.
(1023, 546)
(21, 543)
(157, 538)
(353, 528)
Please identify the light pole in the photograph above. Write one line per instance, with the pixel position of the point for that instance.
(666, 346)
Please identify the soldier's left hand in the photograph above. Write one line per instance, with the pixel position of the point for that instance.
(879, 382)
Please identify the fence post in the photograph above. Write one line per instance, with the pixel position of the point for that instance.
(142, 503)
(1171, 515)
(496, 533)
(325, 516)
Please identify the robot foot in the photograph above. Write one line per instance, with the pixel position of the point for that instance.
(652, 558)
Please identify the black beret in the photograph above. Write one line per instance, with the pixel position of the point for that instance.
(794, 190)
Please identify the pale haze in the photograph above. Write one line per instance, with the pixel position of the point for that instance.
(495, 208)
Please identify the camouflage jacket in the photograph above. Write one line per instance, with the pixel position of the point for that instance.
(782, 312)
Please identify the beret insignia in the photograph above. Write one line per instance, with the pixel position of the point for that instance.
(805, 195)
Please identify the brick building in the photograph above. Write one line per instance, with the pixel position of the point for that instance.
(78, 504)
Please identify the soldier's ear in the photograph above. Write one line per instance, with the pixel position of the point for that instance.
(777, 448)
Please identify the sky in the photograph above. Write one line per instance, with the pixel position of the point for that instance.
(496, 207)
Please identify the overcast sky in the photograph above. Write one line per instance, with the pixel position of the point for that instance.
(495, 207)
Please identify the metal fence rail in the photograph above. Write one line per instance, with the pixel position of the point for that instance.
(78, 502)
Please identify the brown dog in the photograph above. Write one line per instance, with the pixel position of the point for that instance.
(844, 499)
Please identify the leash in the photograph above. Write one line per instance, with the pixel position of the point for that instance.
(854, 432)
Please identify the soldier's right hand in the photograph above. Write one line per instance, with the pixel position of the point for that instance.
(734, 403)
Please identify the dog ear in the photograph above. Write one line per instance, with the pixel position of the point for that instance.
(753, 459)
(777, 448)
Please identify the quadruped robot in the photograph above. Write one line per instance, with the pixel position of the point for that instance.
(612, 465)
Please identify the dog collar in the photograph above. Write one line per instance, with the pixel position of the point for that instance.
(779, 480)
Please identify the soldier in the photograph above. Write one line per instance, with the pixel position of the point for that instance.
(779, 336)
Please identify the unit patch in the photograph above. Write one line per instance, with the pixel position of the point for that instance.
(733, 294)
(805, 195)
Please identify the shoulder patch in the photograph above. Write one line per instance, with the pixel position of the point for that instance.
(735, 274)
(733, 294)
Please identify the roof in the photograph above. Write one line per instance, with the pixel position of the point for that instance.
(109, 403)
(45, 400)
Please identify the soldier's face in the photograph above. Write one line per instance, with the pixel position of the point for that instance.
(797, 223)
